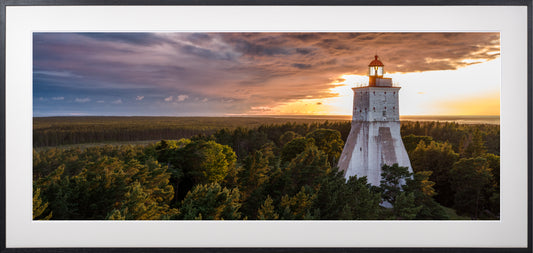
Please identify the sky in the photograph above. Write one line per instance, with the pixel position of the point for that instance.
(259, 73)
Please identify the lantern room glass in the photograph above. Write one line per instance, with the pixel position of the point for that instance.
(375, 71)
(380, 71)
(372, 70)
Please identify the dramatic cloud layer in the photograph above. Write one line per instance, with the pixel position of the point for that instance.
(225, 73)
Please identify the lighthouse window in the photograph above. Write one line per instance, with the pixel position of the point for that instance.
(360, 149)
(385, 92)
(394, 107)
(385, 108)
(374, 108)
(384, 113)
(374, 93)
(394, 93)
(360, 110)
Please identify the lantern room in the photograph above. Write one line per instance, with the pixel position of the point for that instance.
(375, 70)
(375, 67)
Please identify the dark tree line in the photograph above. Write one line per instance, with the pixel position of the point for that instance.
(56, 131)
(283, 171)
(464, 138)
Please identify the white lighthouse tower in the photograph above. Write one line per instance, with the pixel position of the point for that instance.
(374, 138)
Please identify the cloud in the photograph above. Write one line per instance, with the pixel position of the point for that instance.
(55, 73)
(261, 108)
(116, 102)
(207, 53)
(58, 98)
(100, 101)
(302, 66)
(237, 71)
(182, 98)
(82, 100)
(145, 39)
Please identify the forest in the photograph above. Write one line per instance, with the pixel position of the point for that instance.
(265, 170)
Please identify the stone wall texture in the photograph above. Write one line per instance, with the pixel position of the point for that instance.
(376, 104)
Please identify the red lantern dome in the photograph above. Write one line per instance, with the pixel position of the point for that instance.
(375, 62)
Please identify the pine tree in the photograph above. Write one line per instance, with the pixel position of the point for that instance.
(288, 136)
(329, 141)
(476, 146)
(404, 207)
(211, 202)
(295, 147)
(308, 169)
(39, 207)
(469, 177)
(115, 215)
(392, 179)
(138, 205)
(362, 201)
(297, 207)
(439, 159)
(423, 191)
(267, 210)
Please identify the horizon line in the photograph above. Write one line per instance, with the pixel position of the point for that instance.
(266, 115)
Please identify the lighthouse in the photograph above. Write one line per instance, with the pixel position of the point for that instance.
(374, 138)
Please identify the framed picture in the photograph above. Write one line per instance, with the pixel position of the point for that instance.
(202, 127)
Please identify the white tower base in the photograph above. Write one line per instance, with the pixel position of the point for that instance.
(370, 145)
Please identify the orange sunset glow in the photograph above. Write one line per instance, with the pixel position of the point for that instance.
(470, 90)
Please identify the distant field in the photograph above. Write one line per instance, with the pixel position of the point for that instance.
(98, 144)
(189, 122)
(461, 119)
(54, 131)
(98, 130)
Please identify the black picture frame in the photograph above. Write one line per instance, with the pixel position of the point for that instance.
(6, 3)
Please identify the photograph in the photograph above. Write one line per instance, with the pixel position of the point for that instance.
(266, 126)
